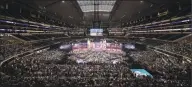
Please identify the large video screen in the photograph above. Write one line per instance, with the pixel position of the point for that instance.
(96, 32)
(129, 46)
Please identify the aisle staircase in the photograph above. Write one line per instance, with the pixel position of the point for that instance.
(185, 39)
(19, 39)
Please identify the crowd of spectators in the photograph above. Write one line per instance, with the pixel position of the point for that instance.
(10, 47)
(97, 56)
(13, 49)
(167, 67)
(182, 49)
(46, 70)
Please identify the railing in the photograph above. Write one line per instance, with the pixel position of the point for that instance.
(163, 21)
(172, 54)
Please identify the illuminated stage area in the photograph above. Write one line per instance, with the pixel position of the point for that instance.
(99, 45)
(97, 52)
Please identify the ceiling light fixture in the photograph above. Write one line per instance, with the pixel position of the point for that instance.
(141, 1)
(63, 1)
(151, 5)
(70, 17)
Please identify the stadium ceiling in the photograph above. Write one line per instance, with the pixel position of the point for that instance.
(111, 12)
(131, 10)
(67, 11)
(89, 5)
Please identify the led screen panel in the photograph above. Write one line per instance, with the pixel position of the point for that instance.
(96, 32)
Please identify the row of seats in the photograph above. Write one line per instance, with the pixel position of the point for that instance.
(39, 36)
(168, 37)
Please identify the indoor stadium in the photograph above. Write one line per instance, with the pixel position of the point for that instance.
(95, 43)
